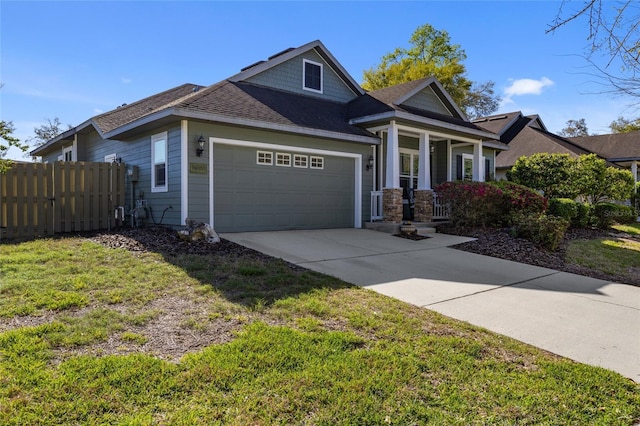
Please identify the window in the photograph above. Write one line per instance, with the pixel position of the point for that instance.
(159, 162)
(317, 162)
(265, 157)
(283, 160)
(301, 161)
(467, 167)
(312, 76)
(67, 153)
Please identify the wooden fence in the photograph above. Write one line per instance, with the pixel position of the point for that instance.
(38, 200)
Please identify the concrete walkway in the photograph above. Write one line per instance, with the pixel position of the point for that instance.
(591, 321)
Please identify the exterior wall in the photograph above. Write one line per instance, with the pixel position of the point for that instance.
(427, 100)
(440, 156)
(199, 184)
(137, 152)
(488, 153)
(288, 76)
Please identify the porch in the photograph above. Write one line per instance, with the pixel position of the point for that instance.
(411, 161)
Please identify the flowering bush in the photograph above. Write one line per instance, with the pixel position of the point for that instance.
(489, 204)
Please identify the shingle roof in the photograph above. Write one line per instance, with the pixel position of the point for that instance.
(496, 123)
(531, 141)
(241, 100)
(613, 146)
(130, 112)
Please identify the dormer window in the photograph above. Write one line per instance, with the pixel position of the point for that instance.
(312, 76)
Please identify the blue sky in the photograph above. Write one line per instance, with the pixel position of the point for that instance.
(74, 60)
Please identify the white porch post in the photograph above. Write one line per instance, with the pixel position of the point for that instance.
(392, 179)
(634, 171)
(477, 175)
(424, 163)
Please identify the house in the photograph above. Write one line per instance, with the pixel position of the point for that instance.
(525, 136)
(292, 142)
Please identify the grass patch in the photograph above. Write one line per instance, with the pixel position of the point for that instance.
(610, 255)
(306, 349)
(630, 228)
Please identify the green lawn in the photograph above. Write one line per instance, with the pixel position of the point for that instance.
(619, 256)
(90, 335)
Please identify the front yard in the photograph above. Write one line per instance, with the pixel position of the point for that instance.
(159, 332)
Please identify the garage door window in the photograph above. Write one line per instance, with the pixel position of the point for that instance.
(301, 161)
(265, 158)
(283, 160)
(317, 162)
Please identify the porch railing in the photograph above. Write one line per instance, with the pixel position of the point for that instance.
(440, 209)
(376, 205)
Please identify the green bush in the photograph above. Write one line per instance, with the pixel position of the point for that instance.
(544, 231)
(583, 216)
(565, 208)
(519, 199)
(606, 214)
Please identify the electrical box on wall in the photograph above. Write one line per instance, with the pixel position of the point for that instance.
(132, 172)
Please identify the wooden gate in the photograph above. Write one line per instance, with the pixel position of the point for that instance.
(38, 200)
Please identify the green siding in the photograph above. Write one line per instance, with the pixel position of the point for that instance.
(288, 76)
(427, 100)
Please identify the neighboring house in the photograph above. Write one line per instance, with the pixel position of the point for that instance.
(292, 142)
(621, 149)
(525, 136)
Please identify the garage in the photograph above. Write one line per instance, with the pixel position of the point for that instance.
(264, 187)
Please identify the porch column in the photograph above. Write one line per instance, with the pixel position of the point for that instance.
(634, 171)
(477, 175)
(423, 207)
(392, 193)
(424, 163)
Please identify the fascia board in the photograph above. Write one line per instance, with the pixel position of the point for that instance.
(393, 115)
(217, 118)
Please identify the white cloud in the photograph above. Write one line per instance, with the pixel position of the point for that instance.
(527, 86)
(126, 80)
(97, 111)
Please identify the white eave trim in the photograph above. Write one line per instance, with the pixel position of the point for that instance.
(62, 136)
(395, 115)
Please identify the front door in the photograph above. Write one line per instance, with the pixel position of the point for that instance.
(408, 180)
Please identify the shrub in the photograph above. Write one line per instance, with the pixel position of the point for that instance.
(520, 199)
(583, 217)
(606, 214)
(565, 208)
(472, 203)
(544, 231)
(489, 204)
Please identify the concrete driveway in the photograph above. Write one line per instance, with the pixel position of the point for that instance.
(591, 321)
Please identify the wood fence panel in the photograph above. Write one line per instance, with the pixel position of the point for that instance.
(42, 199)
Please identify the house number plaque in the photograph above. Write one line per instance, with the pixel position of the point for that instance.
(198, 168)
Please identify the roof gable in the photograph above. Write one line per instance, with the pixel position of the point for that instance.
(426, 94)
(284, 71)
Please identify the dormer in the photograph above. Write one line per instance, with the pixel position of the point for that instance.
(307, 70)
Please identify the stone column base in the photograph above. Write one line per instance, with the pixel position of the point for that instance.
(423, 211)
(392, 204)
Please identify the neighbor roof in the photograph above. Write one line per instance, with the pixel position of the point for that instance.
(614, 147)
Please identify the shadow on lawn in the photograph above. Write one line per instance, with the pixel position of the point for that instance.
(240, 274)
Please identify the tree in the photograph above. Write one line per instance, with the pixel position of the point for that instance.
(575, 128)
(595, 181)
(7, 140)
(623, 125)
(432, 54)
(47, 131)
(614, 30)
(549, 173)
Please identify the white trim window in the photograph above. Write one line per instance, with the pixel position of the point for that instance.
(467, 167)
(265, 158)
(283, 160)
(159, 169)
(300, 161)
(317, 162)
(312, 76)
(67, 153)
